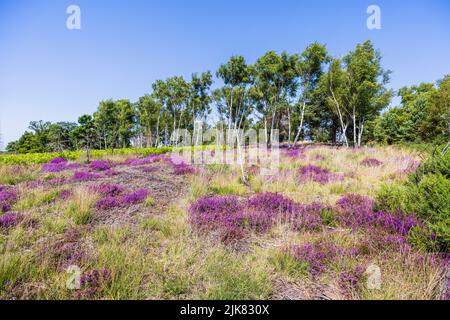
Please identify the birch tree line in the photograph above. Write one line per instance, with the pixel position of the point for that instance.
(306, 96)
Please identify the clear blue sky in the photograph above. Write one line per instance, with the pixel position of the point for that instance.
(51, 73)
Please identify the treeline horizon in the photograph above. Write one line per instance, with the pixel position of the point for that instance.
(306, 96)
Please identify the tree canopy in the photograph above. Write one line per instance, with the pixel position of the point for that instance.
(308, 95)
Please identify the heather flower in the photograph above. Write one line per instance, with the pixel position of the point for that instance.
(73, 166)
(353, 209)
(393, 222)
(84, 176)
(100, 165)
(111, 173)
(7, 198)
(143, 161)
(271, 202)
(411, 165)
(264, 209)
(8, 220)
(57, 181)
(357, 211)
(58, 165)
(65, 194)
(253, 170)
(108, 189)
(150, 169)
(377, 240)
(133, 162)
(210, 213)
(8, 195)
(33, 184)
(109, 202)
(306, 217)
(447, 293)
(315, 173)
(371, 162)
(183, 168)
(135, 197)
(259, 213)
(54, 167)
(350, 280)
(155, 158)
(293, 153)
(318, 255)
(319, 157)
(93, 283)
(58, 160)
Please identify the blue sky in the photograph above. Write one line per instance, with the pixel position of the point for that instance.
(51, 73)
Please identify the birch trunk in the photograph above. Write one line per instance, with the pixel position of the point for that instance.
(301, 124)
(341, 120)
(289, 125)
(355, 143)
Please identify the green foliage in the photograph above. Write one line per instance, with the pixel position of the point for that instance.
(287, 264)
(155, 224)
(328, 217)
(13, 175)
(433, 205)
(39, 158)
(225, 188)
(307, 95)
(424, 115)
(36, 198)
(232, 279)
(438, 164)
(233, 100)
(148, 113)
(420, 238)
(149, 201)
(426, 194)
(27, 143)
(15, 268)
(218, 168)
(393, 197)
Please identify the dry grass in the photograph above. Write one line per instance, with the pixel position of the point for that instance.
(157, 255)
(81, 206)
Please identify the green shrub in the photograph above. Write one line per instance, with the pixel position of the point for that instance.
(437, 164)
(393, 197)
(427, 193)
(421, 238)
